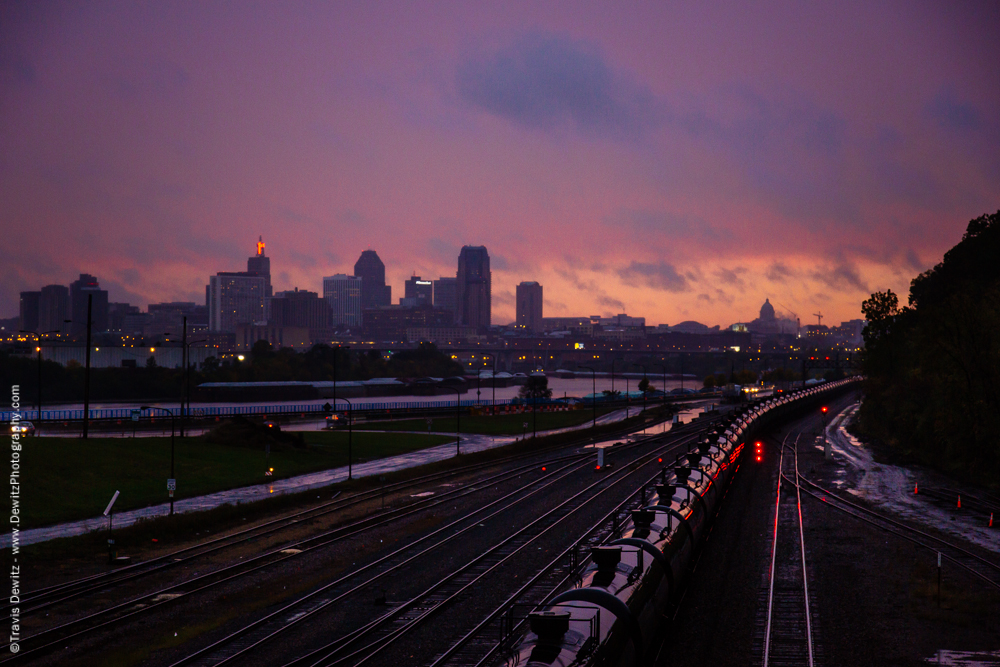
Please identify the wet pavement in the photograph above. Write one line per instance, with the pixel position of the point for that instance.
(469, 444)
(891, 487)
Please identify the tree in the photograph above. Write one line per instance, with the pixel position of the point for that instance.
(644, 385)
(535, 389)
(932, 368)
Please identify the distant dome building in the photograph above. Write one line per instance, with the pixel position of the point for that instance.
(767, 311)
(769, 323)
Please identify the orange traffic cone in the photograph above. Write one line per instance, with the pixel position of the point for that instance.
(915, 490)
(960, 501)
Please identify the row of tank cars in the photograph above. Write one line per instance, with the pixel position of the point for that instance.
(611, 615)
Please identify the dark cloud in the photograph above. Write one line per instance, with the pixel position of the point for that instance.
(544, 81)
(504, 298)
(671, 225)
(778, 273)
(660, 275)
(950, 113)
(842, 278)
(732, 276)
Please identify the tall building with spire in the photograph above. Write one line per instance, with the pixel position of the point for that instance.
(371, 270)
(473, 288)
(260, 265)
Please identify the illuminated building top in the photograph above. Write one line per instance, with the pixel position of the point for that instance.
(260, 246)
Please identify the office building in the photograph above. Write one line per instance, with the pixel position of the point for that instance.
(260, 265)
(233, 299)
(119, 314)
(370, 269)
(473, 288)
(301, 308)
(444, 293)
(28, 320)
(53, 309)
(422, 291)
(343, 293)
(390, 323)
(529, 307)
(80, 291)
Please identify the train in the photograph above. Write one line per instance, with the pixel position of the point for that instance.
(615, 608)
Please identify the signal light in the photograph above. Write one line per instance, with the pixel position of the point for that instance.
(543, 468)
(659, 460)
(759, 450)
(823, 409)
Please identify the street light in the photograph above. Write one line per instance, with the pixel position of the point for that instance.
(186, 361)
(494, 359)
(350, 430)
(173, 480)
(664, 369)
(593, 375)
(458, 412)
(38, 349)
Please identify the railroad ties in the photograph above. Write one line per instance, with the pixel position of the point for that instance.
(785, 633)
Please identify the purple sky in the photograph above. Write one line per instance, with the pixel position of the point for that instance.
(675, 161)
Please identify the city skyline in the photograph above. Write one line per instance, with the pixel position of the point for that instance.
(674, 162)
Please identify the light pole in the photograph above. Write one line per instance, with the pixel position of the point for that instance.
(613, 378)
(458, 412)
(593, 376)
(86, 374)
(173, 480)
(664, 369)
(336, 353)
(493, 358)
(186, 361)
(38, 349)
(350, 430)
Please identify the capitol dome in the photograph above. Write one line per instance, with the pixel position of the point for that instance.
(767, 310)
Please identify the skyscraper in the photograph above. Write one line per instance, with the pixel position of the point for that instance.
(444, 294)
(260, 265)
(370, 269)
(29, 311)
(235, 299)
(53, 309)
(79, 290)
(529, 307)
(473, 293)
(419, 289)
(343, 293)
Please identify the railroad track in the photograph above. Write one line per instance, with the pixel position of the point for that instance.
(373, 637)
(788, 626)
(117, 615)
(42, 598)
(982, 568)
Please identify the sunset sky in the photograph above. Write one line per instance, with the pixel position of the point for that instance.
(672, 160)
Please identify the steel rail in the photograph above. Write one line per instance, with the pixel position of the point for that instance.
(364, 654)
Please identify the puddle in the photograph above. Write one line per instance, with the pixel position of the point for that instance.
(966, 658)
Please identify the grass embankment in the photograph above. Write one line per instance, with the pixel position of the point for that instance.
(65, 479)
(490, 425)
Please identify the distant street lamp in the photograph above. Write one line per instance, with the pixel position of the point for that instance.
(458, 412)
(38, 349)
(172, 478)
(593, 376)
(350, 429)
(494, 359)
(664, 368)
(86, 375)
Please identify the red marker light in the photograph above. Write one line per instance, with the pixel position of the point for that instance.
(659, 460)
(543, 468)
(824, 409)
